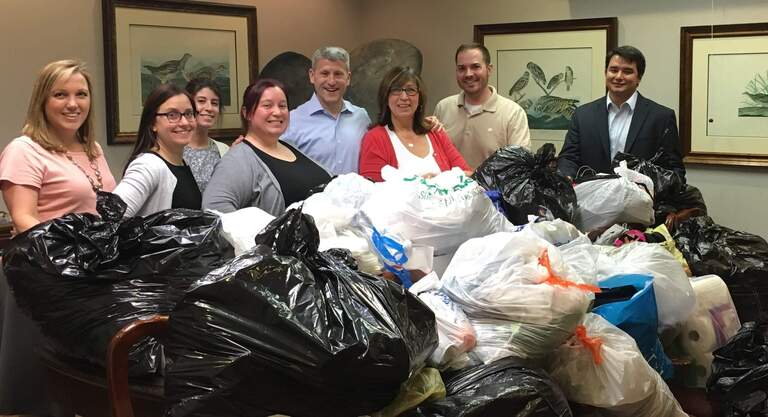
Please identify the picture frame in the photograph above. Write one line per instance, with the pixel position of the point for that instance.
(724, 94)
(148, 42)
(571, 52)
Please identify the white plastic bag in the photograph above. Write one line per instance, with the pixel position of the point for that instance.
(557, 232)
(602, 367)
(454, 331)
(441, 212)
(675, 298)
(334, 210)
(240, 227)
(580, 256)
(603, 202)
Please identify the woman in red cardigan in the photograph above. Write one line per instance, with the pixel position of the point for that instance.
(400, 137)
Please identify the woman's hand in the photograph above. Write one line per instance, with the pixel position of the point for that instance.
(435, 125)
(21, 201)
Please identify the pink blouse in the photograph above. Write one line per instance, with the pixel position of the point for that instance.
(63, 187)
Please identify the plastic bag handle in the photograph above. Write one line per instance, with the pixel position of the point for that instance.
(594, 344)
(392, 251)
(553, 279)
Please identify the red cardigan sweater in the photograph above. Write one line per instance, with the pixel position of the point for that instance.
(377, 151)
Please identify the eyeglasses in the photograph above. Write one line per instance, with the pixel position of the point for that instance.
(175, 117)
(409, 91)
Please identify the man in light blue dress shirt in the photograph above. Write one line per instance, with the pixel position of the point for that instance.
(328, 128)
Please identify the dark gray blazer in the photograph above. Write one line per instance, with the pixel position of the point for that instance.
(587, 144)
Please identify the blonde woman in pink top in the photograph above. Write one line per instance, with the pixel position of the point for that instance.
(57, 166)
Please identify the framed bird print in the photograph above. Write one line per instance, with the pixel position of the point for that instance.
(549, 68)
(724, 94)
(151, 42)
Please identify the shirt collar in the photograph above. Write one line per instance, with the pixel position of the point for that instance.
(631, 102)
(314, 106)
(489, 105)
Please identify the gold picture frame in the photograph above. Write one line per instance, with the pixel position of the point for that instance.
(148, 42)
(724, 94)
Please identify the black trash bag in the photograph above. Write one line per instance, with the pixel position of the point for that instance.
(82, 277)
(739, 258)
(689, 197)
(529, 184)
(286, 329)
(504, 388)
(740, 372)
(666, 182)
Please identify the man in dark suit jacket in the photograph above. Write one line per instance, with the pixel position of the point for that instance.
(622, 121)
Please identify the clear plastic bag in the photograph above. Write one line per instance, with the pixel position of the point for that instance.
(455, 333)
(557, 232)
(604, 201)
(240, 227)
(601, 366)
(516, 288)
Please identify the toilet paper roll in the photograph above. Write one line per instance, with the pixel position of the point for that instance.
(699, 335)
(711, 291)
(714, 300)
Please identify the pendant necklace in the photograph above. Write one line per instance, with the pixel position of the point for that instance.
(97, 184)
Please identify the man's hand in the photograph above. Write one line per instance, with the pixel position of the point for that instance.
(435, 125)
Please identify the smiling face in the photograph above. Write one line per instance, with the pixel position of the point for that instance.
(67, 106)
(331, 79)
(621, 78)
(173, 136)
(269, 119)
(472, 72)
(401, 105)
(208, 106)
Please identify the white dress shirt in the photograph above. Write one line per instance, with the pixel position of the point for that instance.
(619, 119)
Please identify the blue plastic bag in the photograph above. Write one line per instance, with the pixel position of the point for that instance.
(638, 317)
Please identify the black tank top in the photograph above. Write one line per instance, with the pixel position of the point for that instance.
(186, 194)
(296, 178)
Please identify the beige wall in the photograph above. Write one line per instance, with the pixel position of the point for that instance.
(38, 31)
(736, 197)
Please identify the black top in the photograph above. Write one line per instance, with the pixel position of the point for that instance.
(295, 178)
(186, 194)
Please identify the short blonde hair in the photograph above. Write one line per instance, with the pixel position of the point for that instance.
(36, 125)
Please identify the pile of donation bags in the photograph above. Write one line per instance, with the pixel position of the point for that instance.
(83, 277)
(510, 305)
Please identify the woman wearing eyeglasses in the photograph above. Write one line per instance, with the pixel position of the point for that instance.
(156, 177)
(401, 137)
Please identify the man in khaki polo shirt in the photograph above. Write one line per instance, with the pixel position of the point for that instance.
(478, 120)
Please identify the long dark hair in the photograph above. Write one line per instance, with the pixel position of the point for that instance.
(395, 78)
(252, 96)
(146, 139)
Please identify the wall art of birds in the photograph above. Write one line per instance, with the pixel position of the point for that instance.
(168, 69)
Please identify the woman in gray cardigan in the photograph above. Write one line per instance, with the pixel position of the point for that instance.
(263, 171)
